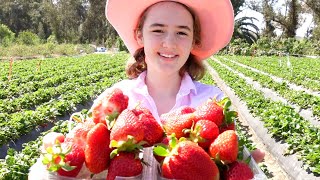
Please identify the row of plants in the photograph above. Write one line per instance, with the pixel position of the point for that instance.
(25, 98)
(300, 98)
(281, 120)
(266, 46)
(42, 95)
(82, 90)
(299, 71)
(29, 76)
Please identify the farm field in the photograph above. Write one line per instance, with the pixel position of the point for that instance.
(44, 91)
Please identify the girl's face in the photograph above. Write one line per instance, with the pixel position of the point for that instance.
(167, 37)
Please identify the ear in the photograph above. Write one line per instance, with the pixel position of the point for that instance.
(139, 37)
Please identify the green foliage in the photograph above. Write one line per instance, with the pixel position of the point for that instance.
(46, 50)
(273, 46)
(6, 35)
(120, 44)
(52, 39)
(28, 38)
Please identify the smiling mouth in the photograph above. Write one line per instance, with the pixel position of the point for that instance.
(168, 55)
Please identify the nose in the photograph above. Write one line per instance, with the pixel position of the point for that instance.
(169, 41)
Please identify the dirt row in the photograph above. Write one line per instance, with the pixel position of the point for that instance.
(279, 166)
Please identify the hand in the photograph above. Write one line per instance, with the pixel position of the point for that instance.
(257, 155)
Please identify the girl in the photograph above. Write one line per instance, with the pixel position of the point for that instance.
(168, 41)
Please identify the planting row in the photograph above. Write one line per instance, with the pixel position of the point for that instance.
(300, 98)
(53, 72)
(57, 101)
(281, 120)
(299, 71)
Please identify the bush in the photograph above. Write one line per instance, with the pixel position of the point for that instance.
(28, 38)
(52, 39)
(6, 35)
(273, 47)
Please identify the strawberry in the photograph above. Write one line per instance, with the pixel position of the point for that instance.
(75, 158)
(65, 158)
(226, 127)
(230, 116)
(125, 165)
(238, 171)
(186, 160)
(178, 120)
(210, 110)
(97, 151)
(180, 111)
(110, 106)
(128, 123)
(127, 133)
(225, 147)
(153, 132)
(204, 133)
(79, 133)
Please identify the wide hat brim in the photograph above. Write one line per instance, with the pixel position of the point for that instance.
(216, 19)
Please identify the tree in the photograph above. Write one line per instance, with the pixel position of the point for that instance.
(285, 17)
(237, 4)
(96, 28)
(314, 6)
(6, 35)
(245, 28)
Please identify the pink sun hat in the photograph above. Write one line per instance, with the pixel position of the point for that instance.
(216, 20)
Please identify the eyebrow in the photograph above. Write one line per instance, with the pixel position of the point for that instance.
(162, 25)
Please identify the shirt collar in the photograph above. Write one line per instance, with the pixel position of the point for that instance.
(187, 85)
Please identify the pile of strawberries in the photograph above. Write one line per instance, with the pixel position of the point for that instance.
(192, 143)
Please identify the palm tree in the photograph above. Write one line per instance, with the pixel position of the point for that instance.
(244, 28)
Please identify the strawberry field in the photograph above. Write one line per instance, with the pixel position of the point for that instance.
(283, 93)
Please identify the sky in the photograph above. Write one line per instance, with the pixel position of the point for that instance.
(307, 21)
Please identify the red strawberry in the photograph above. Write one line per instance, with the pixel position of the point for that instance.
(204, 133)
(75, 158)
(153, 132)
(225, 147)
(178, 120)
(65, 158)
(128, 123)
(188, 161)
(124, 165)
(230, 126)
(78, 134)
(110, 106)
(97, 150)
(238, 171)
(210, 110)
(180, 111)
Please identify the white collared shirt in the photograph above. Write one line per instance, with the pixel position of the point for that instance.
(191, 93)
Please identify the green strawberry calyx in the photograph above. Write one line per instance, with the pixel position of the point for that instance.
(54, 157)
(127, 146)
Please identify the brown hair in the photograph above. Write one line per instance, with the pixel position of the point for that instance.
(136, 64)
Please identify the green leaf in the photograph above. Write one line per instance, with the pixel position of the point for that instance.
(161, 151)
